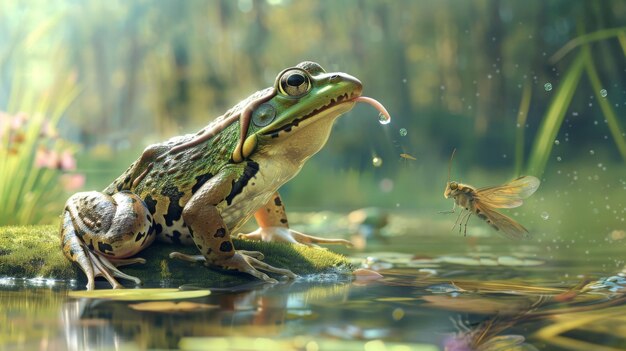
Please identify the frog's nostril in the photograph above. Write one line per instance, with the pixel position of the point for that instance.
(334, 77)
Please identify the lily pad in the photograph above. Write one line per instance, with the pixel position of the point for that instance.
(169, 306)
(139, 294)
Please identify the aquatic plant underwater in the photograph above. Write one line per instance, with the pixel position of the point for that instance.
(79, 107)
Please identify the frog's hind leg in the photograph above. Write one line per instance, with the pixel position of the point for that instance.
(273, 226)
(99, 232)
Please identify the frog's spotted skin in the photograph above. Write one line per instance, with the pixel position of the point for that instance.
(198, 189)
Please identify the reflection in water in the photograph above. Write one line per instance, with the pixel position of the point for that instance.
(500, 309)
(567, 311)
(91, 324)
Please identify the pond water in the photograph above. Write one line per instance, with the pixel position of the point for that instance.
(439, 291)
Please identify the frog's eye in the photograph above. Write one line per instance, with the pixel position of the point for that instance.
(263, 115)
(294, 83)
(453, 185)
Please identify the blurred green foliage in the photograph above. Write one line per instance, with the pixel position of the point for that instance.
(32, 154)
(464, 74)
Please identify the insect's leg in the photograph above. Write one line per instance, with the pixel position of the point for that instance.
(469, 214)
(457, 221)
(450, 211)
(463, 217)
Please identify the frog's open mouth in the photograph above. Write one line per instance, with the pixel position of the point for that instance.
(341, 99)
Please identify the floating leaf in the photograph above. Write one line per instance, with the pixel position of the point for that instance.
(518, 262)
(363, 274)
(488, 261)
(472, 305)
(506, 287)
(169, 306)
(301, 314)
(396, 299)
(139, 294)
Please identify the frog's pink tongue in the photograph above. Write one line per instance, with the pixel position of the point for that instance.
(377, 105)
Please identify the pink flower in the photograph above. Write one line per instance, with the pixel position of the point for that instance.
(72, 182)
(41, 158)
(45, 158)
(67, 161)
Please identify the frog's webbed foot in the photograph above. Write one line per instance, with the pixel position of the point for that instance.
(98, 265)
(243, 261)
(282, 234)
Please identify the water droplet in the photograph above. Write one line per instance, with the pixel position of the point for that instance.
(558, 158)
(591, 152)
(603, 93)
(383, 119)
(547, 86)
(545, 215)
(377, 161)
(397, 314)
(403, 132)
(557, 142)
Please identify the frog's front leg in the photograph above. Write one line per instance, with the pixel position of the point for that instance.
(273, 226)
(100, 232)
(212, 236)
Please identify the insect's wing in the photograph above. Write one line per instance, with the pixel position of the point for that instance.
(500, 222)
(508, 195)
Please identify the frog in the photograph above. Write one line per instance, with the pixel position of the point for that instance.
(200, 188)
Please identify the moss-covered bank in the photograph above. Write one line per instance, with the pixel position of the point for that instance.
(34, 251)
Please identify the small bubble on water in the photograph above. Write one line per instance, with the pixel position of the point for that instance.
(591, 152)
(545, 215)
(403, 132)
(558, 158)
(383, 119)
(377, 161)
(547, 86)
(557, 142)
(603, 93)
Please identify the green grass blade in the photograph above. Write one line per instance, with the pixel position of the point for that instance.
(554, 117)
(522, 115)
(586, 39)
(622, 41)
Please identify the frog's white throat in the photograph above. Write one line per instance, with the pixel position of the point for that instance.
(304, 140)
